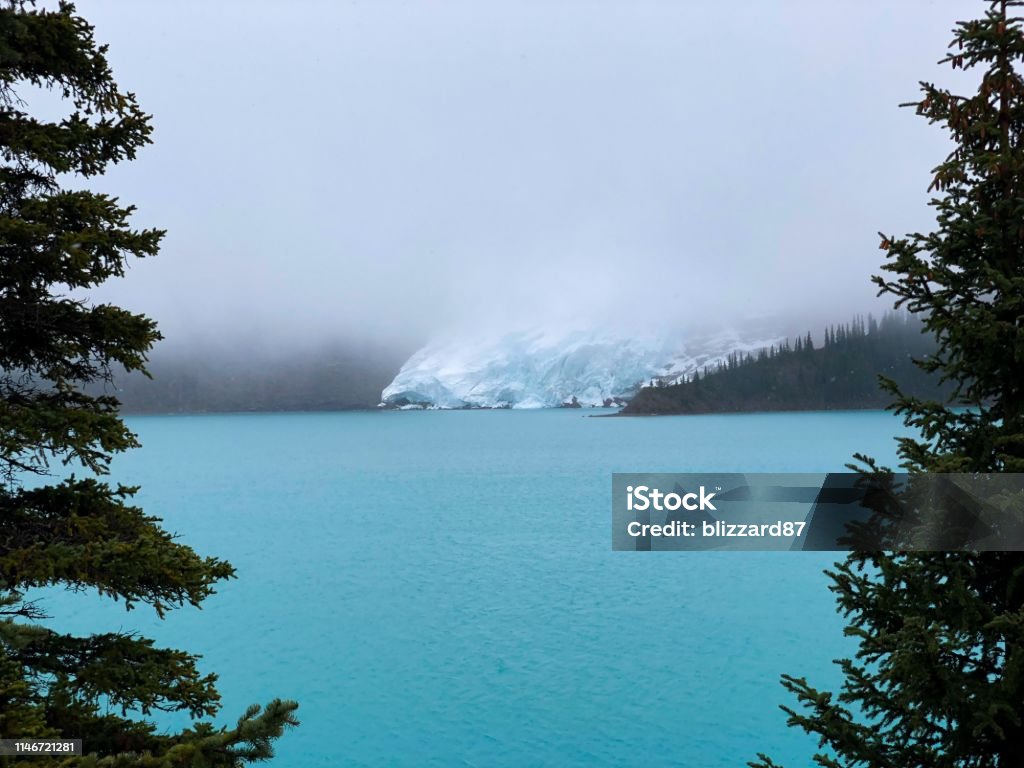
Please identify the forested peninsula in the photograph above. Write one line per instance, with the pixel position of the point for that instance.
(841, 373)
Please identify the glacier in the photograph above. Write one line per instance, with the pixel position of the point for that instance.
(544, 369)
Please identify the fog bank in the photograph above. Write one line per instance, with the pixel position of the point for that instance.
(390, 171)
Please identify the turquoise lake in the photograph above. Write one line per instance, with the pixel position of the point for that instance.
(438, 588)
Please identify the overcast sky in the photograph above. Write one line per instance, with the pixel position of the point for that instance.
(392, 169)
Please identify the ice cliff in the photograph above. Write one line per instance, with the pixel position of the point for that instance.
(542, 369)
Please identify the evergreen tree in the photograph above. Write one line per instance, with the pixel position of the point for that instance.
(83, 533)
(938, 678)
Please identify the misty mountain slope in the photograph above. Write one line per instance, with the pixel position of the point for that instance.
(327, 377)
(543, 369)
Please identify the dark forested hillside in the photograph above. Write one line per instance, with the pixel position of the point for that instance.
(841, 373)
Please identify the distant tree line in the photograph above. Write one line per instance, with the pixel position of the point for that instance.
(842, 373)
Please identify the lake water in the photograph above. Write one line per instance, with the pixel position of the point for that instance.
(438, 588)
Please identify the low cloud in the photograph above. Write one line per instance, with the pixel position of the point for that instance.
(391, 170)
